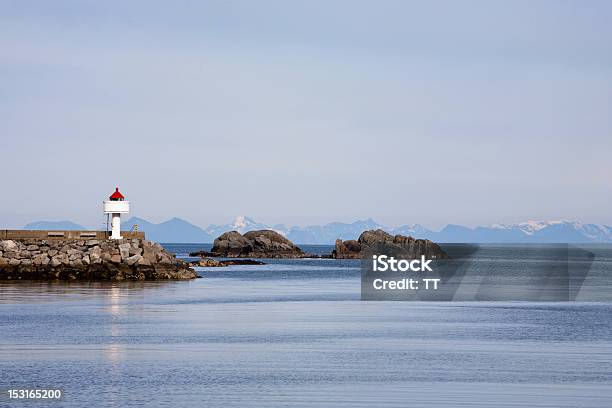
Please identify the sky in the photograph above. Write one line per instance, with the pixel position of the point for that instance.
(306, 112)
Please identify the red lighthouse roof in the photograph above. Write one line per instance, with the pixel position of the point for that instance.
(116, 195)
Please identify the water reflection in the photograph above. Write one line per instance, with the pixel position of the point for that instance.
(114, 298)
(114, 353)
(12, 292)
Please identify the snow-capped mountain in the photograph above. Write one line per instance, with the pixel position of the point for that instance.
(242, 224)
(549, 230)
(528, 227)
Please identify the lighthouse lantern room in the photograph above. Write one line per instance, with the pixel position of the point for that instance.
(116, 205)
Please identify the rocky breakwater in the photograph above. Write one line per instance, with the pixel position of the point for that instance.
(255, 244)
(116, 260)
(382, 242)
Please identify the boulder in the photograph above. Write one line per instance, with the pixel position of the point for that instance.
(133, 259)
(124, 251)
(255, 244)
(9, 245)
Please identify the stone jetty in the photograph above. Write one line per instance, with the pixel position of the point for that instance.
(116, 260)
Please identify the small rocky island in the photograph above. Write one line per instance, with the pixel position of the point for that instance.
(215, 263)
(69, 259)
(254, 244)
(369, 240)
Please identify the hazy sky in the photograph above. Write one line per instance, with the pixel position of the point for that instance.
(307, 112)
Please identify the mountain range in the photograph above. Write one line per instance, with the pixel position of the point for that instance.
(180, 231)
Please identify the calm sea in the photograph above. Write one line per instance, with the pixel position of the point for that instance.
(295, 333)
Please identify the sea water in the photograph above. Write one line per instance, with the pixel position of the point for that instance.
(295, 333)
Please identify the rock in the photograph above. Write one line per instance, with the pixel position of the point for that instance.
(213, 263)
(11, 254)
(231, 243)
(124, 251)
(143, 261)
(207, 262)
(347, 249)
(133, 259)
(115, 259)
(73, 251)
(32, 247)
(135, 251)
(149, 254)
(9, 245)
(92, 242)
(255, 244)
(95, 251)
(52, 252)
(379, 239)
(14, 261)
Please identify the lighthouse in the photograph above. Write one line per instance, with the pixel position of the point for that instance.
(116, 205)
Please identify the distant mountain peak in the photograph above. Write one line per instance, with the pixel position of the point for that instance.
(241, 222)
(532, 226)
(182, 231)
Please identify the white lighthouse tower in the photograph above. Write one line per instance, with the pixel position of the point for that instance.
(116, 205)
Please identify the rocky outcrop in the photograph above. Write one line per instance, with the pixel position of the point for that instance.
(255, 244)
(208, 262)
(381, 241)
(134, 259)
